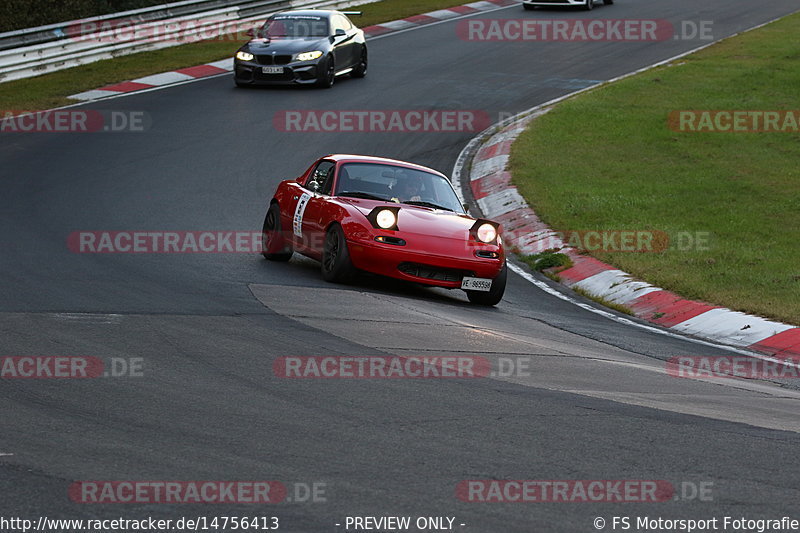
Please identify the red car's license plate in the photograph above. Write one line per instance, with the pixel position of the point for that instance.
(476, 284)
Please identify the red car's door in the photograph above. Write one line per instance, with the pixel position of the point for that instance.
(308, 226)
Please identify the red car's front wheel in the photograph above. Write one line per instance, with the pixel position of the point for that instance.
(495, 294)
(336, 264)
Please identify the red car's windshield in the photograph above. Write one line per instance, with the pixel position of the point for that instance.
(397, 184)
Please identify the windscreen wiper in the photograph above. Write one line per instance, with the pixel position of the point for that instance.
(365, 195)
(427, 204)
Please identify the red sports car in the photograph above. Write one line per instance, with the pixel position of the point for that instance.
(387, 217)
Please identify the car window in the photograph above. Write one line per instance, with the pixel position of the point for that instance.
(395, 183)
(346, 24)
(339, 22)
(295, 26)
(322, 176)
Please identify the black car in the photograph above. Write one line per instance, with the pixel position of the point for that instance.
(302, 47)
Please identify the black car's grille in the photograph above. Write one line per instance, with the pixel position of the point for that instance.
(274, 60)
(433, 273)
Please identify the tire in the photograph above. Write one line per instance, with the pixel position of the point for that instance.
(494, 295)
(272, 237)
(528, 7)
(589, 5)
(328, 76)
(336, 264)
(361, 69)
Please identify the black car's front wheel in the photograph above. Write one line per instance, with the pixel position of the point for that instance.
(589, 5)
(273, 243)
(361, 68)
(495, 294)
(327, 73)
(336, 264)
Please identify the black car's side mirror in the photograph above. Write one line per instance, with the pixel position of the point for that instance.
(338, 33)
(251, 32)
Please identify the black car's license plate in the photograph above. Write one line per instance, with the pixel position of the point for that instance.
(272, 70)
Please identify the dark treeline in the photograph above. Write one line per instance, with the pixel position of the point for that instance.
(18, 14)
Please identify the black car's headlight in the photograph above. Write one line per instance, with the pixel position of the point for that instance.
(308, 56)
(244, 56)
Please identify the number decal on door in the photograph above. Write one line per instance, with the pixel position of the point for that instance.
(297, 222)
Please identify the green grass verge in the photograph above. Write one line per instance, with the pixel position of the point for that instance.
(608, 160)
(51, 90)
(548, 259)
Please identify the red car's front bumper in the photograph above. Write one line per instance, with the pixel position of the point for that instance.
(453, 260)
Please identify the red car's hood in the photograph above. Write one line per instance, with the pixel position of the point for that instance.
(420, 220)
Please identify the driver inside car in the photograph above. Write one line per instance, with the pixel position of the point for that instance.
(409, 188)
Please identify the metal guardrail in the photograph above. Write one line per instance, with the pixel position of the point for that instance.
(59, 46)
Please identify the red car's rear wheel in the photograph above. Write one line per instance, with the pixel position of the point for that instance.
(273, 244)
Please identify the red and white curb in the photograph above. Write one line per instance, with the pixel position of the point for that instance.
(436, 16)
(226, 65)
(499, 200)
(158, 80)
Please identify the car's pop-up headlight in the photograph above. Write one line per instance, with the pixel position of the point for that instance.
(244, 56)
(308, 56)
(384, 218)
(485, 232)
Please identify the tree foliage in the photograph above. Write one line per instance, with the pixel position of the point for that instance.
(19, 14)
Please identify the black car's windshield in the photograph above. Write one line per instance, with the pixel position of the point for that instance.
(397, 184)
(295, 26)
